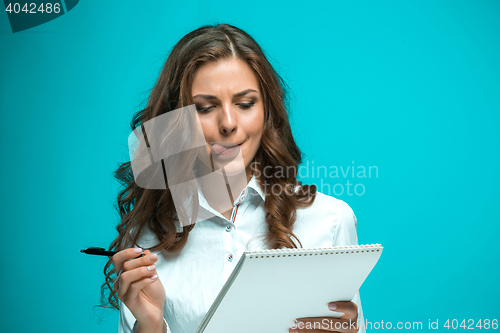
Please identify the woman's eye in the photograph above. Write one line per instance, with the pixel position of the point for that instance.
(247, 105)
(203, 110)
(244, 106)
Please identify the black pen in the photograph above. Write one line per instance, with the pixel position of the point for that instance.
(99, 251)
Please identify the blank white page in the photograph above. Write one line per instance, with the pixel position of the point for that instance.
(269, 289)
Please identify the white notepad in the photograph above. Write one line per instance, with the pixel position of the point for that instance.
(268, 289)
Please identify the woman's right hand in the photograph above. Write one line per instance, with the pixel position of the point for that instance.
(138, 286)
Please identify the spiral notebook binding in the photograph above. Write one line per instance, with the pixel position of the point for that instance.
(340, 250)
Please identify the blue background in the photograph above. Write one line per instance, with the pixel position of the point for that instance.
(411, 87)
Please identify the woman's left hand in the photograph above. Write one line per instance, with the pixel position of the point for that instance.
(348, 323)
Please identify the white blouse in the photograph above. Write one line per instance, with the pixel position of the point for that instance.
(193, 277)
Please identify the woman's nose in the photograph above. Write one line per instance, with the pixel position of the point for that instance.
(227, 121)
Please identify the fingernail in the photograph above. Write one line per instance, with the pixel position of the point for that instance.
(332, 306)
(150, 268)
(153, 257)
(137, 250)
(154, 277)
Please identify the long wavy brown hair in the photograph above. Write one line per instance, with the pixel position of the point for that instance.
(141, 208)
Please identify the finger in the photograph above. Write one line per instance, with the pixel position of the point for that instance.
(136, 287)
(148, 259)
(349, 309)
(132, 264)
(121, 257)
(129, 277)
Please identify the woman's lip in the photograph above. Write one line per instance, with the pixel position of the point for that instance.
(229, 150)
(226, 145)
(221, 149)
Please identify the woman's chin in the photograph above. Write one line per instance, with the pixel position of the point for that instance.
(233, 164)
(233, 169)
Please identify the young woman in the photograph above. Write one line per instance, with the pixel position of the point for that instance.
(240, 100)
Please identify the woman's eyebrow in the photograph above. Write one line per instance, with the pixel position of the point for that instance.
(242, 93)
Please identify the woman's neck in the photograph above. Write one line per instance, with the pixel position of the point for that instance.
(217, 194)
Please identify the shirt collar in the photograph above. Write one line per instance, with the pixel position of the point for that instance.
(253, 185)
(206, 211)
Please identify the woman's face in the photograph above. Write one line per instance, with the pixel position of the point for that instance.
(230, 108)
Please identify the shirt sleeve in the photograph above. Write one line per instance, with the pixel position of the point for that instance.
(345, 234)
(345, 229)
(126, 319)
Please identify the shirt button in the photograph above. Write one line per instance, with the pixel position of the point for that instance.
(228, 228)
(230, 257)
